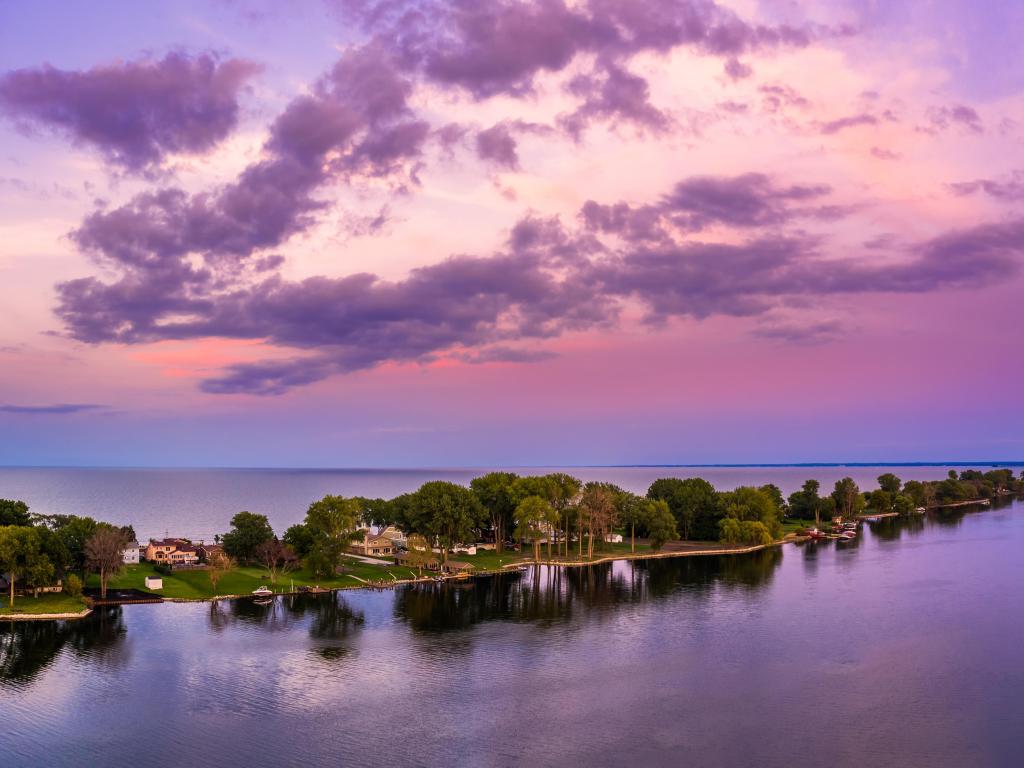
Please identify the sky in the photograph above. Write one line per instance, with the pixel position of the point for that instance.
(562, 232)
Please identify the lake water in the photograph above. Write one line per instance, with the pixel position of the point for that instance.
(198, 503)
(901, 649)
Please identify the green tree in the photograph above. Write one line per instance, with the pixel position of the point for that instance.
(903, 504)
(660, 523)
(806, 503)
(331, 522)
(890, 483)
(497, 494)
(451, 514)
(634, 512)
(533, 516)
(22, 558)
(565, 491)
(248, 531)
(849, 501)
(299, 538)
(597, 511)
(14, 513)
(752, 505)
(880, 501)
(922, 494)
(73, 586)
(420, 554)
(693, 503)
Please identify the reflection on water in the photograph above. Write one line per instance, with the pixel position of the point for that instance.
(28, 647)
(726, 660)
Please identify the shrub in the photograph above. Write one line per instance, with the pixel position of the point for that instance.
(73, 586)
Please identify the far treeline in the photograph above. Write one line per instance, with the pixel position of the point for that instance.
(557, 511)
(570, 518)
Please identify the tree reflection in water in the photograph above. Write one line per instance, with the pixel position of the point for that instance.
(331, 620)
(29, 647)
(542, 595)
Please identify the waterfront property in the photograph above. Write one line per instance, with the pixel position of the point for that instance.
(130, 556)
(172, 552)
(374, 545)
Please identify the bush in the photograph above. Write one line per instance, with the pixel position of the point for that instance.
(163, 568)
(73, 586)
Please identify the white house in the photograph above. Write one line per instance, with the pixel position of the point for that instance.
(613, 538)
(130, 555)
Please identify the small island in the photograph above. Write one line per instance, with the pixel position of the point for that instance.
(59, 566)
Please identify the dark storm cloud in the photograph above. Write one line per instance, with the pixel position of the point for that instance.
(135, 112)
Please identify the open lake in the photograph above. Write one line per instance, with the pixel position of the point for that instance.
(903, 648)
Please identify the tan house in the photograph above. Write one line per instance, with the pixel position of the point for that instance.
(172, 552)
(374, 545)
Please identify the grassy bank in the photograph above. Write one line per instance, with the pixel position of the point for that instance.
(196, 585)
(48, 603)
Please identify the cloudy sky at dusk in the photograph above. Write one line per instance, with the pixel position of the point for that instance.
(429, 232)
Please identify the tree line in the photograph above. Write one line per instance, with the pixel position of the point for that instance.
(37, 551)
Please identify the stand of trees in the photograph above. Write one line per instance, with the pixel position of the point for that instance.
(37, 551)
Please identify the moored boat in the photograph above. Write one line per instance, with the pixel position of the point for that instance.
(262, 591)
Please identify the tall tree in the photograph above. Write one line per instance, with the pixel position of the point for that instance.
(14, 513)
(849, 501)
(496, 492)
(694, 504)
(331, 522)
(806, 503)
(218, 566)
(248, 531)
(22, 558)
(660, 523)
(104, 553)
(597, 511)
(890, 483)
(275, 555)
(635, 511)
(533, 516)
(753, 505)
(451, 513)
(565, 492)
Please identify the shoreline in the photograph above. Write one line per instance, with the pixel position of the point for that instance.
(45, 616)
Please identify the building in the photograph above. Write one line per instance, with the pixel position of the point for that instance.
(154, 582)
(396, 536)
(411, 560)
(374, 545)
(172, 552)
(206, 551)
(130, 555)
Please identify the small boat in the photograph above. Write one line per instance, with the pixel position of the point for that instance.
(262, 592)
(847, 536)
(814, 533)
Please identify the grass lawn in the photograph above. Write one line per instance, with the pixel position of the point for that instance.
(56, 602)
(791, 524)
(489, 560)
(244, 579)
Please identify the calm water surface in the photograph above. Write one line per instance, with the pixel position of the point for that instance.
(903, 648)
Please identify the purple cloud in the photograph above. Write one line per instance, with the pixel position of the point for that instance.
(546, 281)
(356, 122)
(835, 126)
(954, 115)
(499, 48)
(497, 145)
(1008, 190)
(135, 113)
(59, 409)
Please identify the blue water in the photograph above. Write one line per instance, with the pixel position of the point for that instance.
(902, 649)
(198, 503)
